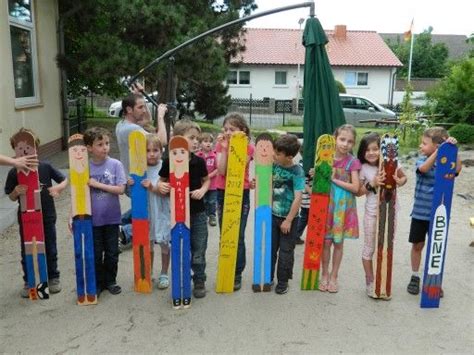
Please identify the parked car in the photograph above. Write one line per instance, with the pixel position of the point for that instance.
(358, 108)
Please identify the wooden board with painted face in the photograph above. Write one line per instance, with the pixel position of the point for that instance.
(86, 287)
(232, 210)
(263, 213)
(140, 224)
(180, 222)
(32, 221)
(386, 219)
(318, 211)
(439, 225)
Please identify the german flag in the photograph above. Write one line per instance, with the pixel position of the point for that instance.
(407, 35)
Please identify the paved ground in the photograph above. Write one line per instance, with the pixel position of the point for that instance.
(244, 322)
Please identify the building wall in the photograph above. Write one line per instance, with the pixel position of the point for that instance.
(262, 83)
(378, 88)
(44, 118)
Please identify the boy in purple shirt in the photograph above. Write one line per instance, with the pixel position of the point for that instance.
(107, 181)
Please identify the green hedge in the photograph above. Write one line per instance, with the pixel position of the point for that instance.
(463, 132)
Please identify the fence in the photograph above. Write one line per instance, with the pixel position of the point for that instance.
(267, 112)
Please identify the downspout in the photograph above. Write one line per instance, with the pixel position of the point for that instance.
(62, 54)
(393, 79)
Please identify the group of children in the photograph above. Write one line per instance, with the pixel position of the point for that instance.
(352, 176)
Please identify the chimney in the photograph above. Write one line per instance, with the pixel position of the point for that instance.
(340, 32)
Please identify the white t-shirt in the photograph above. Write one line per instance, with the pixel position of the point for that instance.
(367, 174)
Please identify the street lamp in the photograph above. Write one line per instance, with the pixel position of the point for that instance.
(300, 22)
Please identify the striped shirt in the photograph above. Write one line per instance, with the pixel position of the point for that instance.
(423, 192)
(306, 198)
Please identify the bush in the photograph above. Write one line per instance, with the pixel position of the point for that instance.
(463, 132)
(340, 87)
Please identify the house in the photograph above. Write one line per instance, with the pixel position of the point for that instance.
(457, 45)
(272, 64)
(30, 85)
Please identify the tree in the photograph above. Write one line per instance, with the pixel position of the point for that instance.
(429, 60)
(108, 40)
(454, 95)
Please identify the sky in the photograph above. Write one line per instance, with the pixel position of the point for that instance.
(383, 16)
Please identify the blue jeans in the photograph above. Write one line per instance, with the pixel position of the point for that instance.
(210, 201)
(199, 234)
(106, 254)
(302, 222)
(180, 262)
(50, 248)
(240, 265)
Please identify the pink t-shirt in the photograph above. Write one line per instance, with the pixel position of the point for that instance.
(211, 165)
(220, 179)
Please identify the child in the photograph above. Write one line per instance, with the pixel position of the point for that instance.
(209, 155)
(288, 186)
(370, 178)
(425, 175)
(234, 122)
(107, 181)
(342, 220)
(158, 207)
(47, 174)
(305, 205)
(198, 185)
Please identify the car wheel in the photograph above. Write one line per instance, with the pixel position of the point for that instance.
(120, 113)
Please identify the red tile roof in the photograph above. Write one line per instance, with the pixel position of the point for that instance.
(284, 46)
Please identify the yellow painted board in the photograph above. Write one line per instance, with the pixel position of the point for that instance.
(234, 188)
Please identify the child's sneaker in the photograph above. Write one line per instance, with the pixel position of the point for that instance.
(54, 286)
(299, 241)
(114, 289)
(163, 282)
(199, 290)
(370, 290)
(414, 285)
(281, 288)
(25, 292)
(237, 284)
(212, 221)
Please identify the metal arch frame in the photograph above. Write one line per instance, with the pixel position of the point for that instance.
(129, 82)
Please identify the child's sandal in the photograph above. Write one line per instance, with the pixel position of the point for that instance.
(323, 286)
(333, 288)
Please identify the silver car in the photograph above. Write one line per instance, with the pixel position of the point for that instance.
(358, 108)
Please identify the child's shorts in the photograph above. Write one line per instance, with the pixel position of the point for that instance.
(418, 230)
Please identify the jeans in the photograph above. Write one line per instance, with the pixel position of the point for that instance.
(283, 249)
(199, 234)
(51, 249)
(106, 254)
(127, 225)
(240, 265)
(302, 222)
(210, 201)
(180, 262)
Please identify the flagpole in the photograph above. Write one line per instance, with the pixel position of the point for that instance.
(411, 55)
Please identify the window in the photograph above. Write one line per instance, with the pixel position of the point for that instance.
(241, 77)
(244, 77)
(352, 78)
(232, 77)
(280, 78)
(23, 44)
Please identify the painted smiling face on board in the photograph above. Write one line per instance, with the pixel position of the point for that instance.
(23, 148)
(264, 152)
(78, 155)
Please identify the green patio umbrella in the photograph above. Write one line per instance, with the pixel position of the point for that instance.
(322, 107)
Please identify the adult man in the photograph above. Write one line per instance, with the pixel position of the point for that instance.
(136, 115)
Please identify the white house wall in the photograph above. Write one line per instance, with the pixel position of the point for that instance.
(44, 118)
(262, 83)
